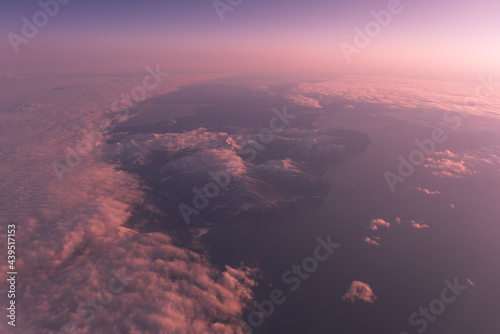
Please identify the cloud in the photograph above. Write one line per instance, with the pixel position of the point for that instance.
(203, 161)
(372, 241)
(375, 223)
(75, 229)
(170, 290)
(418, 225)
(449, 168)
(428, 192)
(447, 164)
(470, 282)
(398, 220)
(304, 101)
(359, 291)
(397, 93)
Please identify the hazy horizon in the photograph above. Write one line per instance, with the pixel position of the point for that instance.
(443, 39)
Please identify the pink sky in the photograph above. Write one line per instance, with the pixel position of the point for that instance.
(440, 39)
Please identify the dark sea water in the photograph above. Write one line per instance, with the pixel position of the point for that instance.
(408, 270)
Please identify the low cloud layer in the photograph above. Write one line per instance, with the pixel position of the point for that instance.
(400, 93)
(80, 267)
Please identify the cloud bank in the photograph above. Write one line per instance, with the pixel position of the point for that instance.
(399, 93)
(81, 268)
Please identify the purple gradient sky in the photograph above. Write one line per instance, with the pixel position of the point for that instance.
(428, 38)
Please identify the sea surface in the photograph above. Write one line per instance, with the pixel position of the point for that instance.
(407, 271)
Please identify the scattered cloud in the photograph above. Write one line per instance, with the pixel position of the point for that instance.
(418, 225)
(376, 223)
(359, 291)
(470, 282)
(449, 167)
(447, 164)
(372, 241)
(428, 192)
